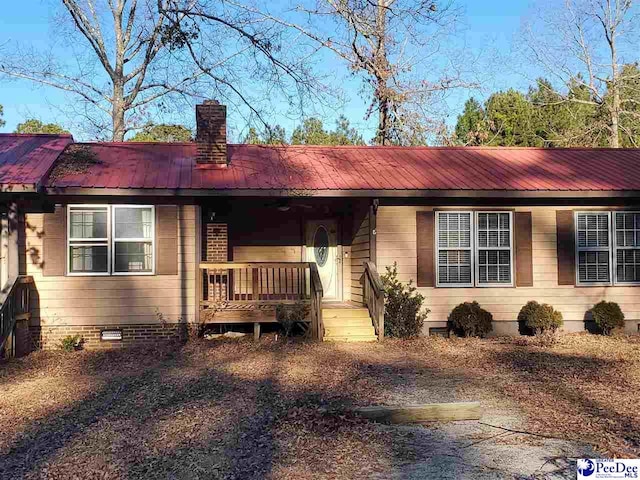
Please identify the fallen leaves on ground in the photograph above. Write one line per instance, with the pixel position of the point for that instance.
(238, 409)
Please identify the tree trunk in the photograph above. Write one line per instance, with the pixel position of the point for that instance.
(383, 121)
(614, 141)
(118, 127)
(382, 67)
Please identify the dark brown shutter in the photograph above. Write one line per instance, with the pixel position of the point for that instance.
(566, 239)
(524, 250)
(166, 240)
(425, 231)
(54, 244)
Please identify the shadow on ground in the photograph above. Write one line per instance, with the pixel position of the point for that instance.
(240, 410)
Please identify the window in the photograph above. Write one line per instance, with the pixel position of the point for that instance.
(88, 240)
(107, 240)
(627, 247)
(133, 239)
(593, 247)
(465, 260)
(494, 248)
(454, 248)
(607, 248)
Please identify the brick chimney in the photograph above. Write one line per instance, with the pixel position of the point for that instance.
(211, 133)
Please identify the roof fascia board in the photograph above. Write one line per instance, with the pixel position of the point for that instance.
(53, 191)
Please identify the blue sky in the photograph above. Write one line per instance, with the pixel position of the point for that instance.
(489, 31)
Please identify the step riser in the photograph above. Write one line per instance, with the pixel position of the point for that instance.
(348, 331)
(350, 339)
(345, 313)
(346, 324)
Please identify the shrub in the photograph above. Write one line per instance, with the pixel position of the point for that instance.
(403, 314)
(607, 316)
(290, 315)
(71, 343)
(539, 318)
(470, 320)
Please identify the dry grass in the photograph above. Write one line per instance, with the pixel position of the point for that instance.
(244, 410)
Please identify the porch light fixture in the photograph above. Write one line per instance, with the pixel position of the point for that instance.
(283, 206)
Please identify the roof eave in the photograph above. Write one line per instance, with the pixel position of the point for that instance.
(19, 187)
(296, 193)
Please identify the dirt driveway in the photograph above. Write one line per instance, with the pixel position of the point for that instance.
(272, 410)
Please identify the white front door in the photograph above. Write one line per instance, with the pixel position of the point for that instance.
(323, 249)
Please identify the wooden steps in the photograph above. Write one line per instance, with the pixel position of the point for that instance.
(347, 324)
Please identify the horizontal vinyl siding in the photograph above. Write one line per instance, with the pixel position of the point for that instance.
(360, 253)
(112, 300)
(267, 254)
(396, 241)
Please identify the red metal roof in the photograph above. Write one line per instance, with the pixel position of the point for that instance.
(26, 159)
(327, 168)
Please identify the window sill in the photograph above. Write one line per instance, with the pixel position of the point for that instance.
(120, 274)
(132, 274)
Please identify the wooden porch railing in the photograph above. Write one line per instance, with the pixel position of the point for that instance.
(373, 296)
(317, 325)
(15, 307)
(263, 283)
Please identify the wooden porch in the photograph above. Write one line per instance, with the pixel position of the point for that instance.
(234, 292)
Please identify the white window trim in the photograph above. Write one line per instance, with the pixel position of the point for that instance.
(109, 241)
(97, 242)
(470, 248)
(114, 240)
(614, 256)
(609, 249)
(474, 248)
(478, 248)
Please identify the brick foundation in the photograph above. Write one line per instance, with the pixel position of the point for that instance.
(49, 338)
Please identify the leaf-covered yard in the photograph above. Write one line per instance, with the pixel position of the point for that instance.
(238, 409)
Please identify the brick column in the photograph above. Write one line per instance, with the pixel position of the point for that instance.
(217, 242)
(217, 251)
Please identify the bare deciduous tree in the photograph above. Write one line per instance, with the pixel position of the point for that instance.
(122, 63)
(590, 44)
(399, 47)
(252, 62)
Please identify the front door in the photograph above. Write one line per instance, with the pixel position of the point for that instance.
(323, 249)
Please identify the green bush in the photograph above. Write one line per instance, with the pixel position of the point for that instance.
(607, 316)
(290, 315)
(403, 314)
(470, 320)
(71, 343)
(539, 318)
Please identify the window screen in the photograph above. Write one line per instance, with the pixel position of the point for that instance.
(593, 246)
(454, 248)
(494, 247)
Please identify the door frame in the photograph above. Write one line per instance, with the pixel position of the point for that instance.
(339, 253)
